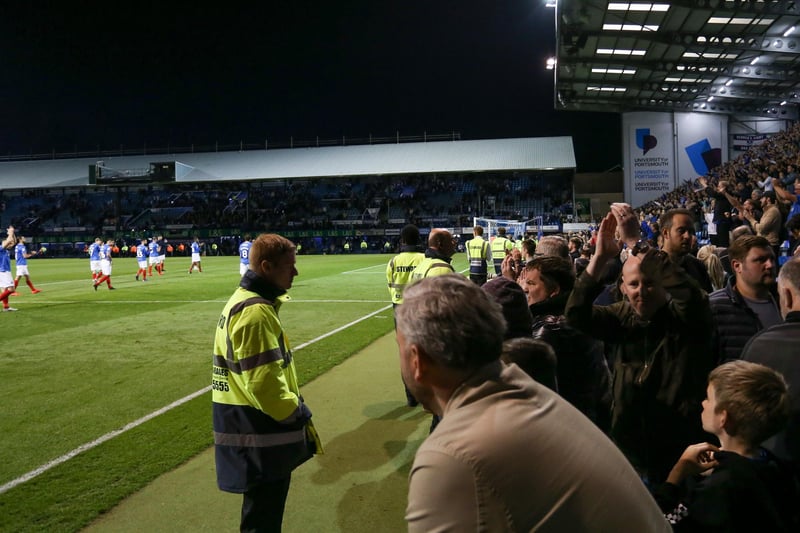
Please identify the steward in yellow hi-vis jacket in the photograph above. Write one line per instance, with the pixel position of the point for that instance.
(479, 255)
(501, 247)
(400, 267)
(262, 427)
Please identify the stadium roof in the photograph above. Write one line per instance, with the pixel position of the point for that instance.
(738, 57)
(544, 153)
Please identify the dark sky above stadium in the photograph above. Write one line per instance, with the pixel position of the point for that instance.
(88, 75)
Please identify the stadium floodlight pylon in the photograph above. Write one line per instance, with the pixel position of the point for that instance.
(514, 228)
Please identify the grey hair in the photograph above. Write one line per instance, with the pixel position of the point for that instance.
(790, 273)
(453, 321)
(553, 245)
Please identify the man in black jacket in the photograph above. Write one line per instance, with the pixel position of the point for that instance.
(747, 304)
(777, 348)
(658, 341)
(677, 230)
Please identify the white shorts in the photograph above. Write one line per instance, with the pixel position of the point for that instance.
(22, 270)
(160, 259)
(153, 259)
(94, 266)
(243, 268)
(105, 267)
(142, 263)
(6, 281)
(195, 258)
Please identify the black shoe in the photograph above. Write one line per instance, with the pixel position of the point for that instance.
(137, 277)
(95, 286)
(112, 288)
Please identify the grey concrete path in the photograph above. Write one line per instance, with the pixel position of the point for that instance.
(358, 485)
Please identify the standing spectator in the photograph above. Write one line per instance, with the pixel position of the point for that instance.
(777, 348)
(503, 438)
(677, 232)
(6, 282)
(142, 254)
(244, 254)
(398, 274)
(747, 304)
(479, 255)
(196, 256)
(749, 489)
(575, 244)
(722, 211)
(21, 256)
(105, 265)
(769, 225)
(262, 427)
(657, 338)
(583, 376)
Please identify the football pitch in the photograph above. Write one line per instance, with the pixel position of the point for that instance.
(107, 390)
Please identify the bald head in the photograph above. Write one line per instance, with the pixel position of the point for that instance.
(442, 241)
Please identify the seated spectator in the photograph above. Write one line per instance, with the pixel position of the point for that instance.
(745, 487)
(509, 454)
(777, 348)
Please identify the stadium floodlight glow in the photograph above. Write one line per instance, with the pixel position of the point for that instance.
(754, 61)
(729, 82)
(710, 98)
(550, 3)
(551, 63)
(789, 31)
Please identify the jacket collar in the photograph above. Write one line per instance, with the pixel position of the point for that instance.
(253, 282)
(430, 252)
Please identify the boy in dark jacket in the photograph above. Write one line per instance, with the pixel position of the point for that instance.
(745, 487)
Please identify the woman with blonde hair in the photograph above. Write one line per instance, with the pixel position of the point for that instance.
(708, 255)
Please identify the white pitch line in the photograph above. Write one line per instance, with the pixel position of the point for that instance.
(110, 435)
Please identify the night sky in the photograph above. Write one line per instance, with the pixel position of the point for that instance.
(85, 75)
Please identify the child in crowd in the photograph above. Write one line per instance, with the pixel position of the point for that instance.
(738, 485)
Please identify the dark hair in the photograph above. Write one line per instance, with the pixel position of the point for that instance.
(665, 220)
(555, 272)
(410, 235)
(536, 358)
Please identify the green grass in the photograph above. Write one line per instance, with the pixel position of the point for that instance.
(78, 364)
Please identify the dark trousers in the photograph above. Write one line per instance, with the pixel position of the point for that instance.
(262, 507)
(479, 279)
